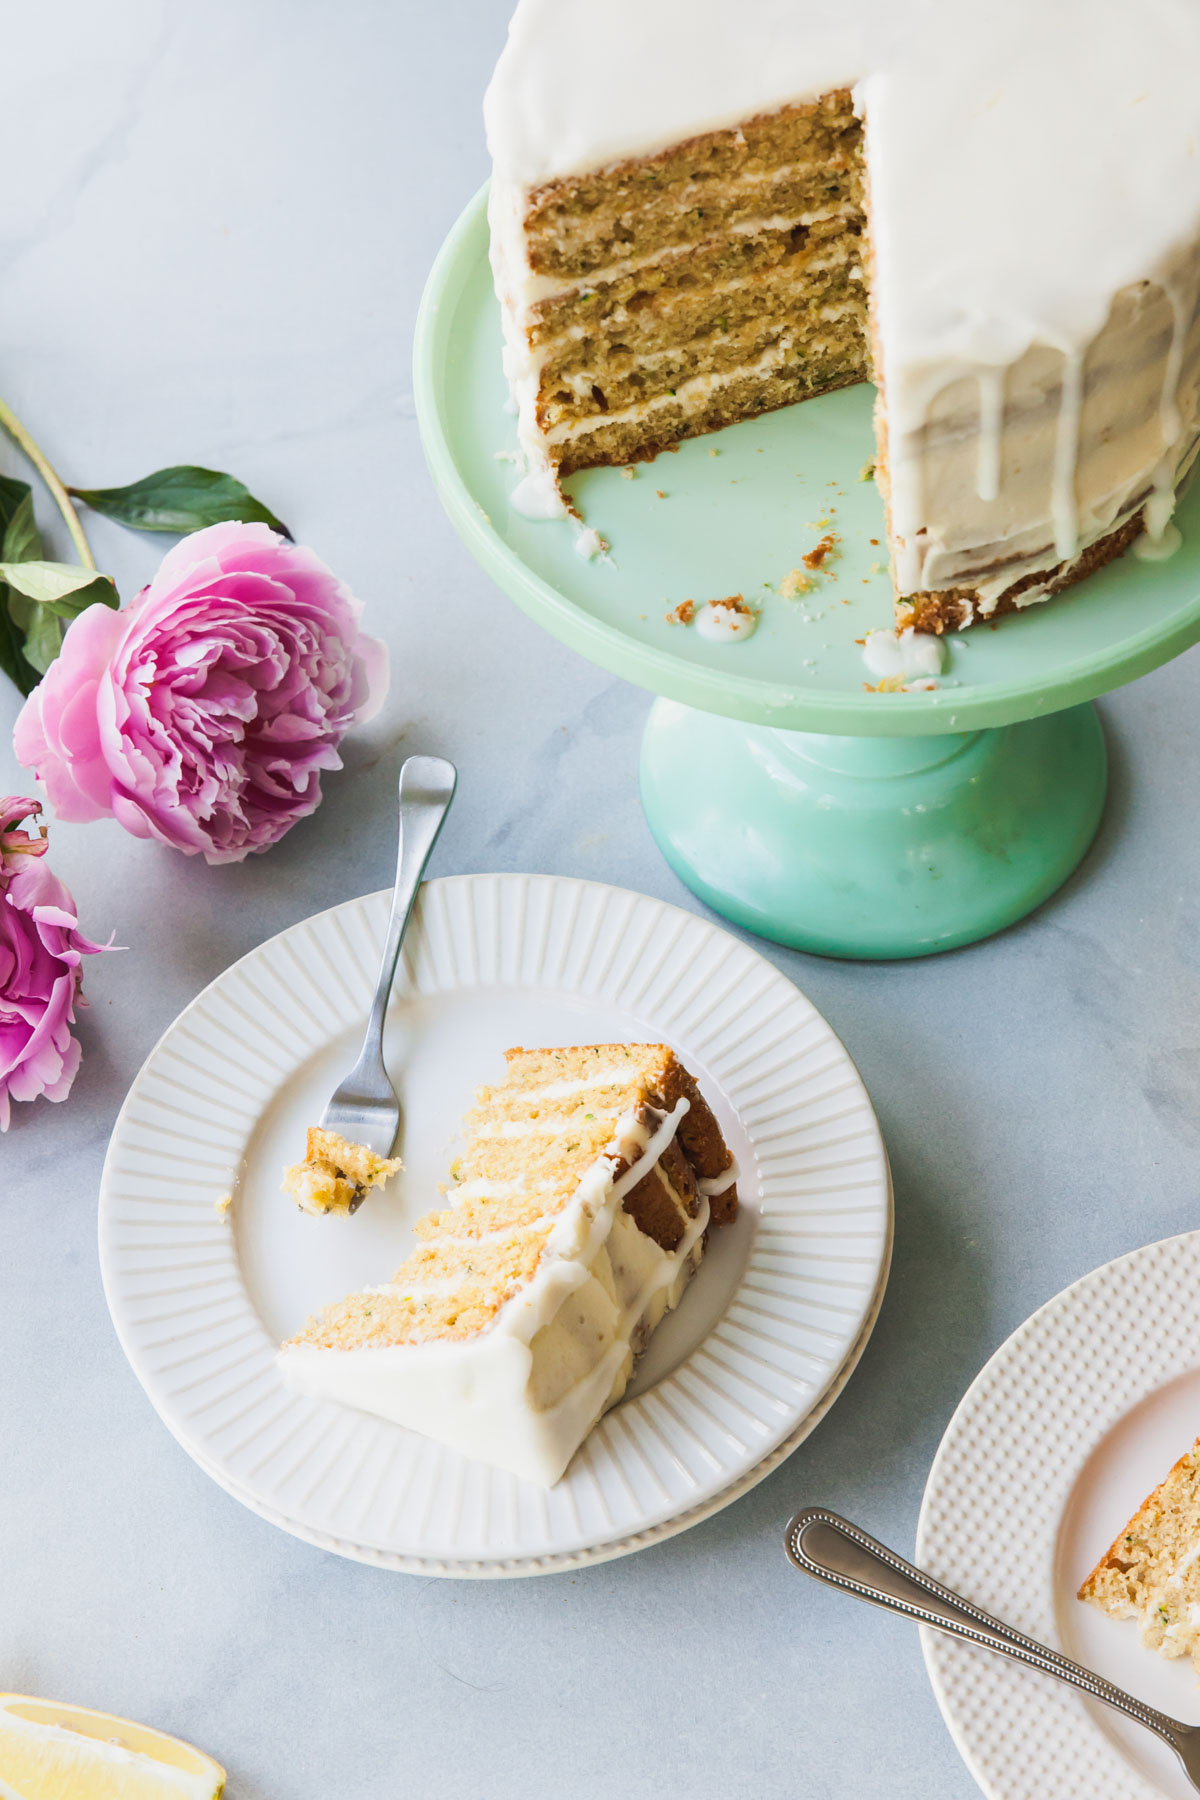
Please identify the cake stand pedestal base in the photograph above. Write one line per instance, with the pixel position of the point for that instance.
(872, 847)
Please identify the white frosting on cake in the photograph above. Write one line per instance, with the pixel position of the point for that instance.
(580, 86)
(523, 1393)
(1031, 166)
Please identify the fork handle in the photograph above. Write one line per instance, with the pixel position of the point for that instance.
(427, 786)
(831, 1549)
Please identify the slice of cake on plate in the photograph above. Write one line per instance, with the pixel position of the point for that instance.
(1151, 1572)
(579, 1209)
(701, 213)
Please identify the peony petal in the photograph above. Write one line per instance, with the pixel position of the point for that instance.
(41, 951)
(375, 665)
(56, 733)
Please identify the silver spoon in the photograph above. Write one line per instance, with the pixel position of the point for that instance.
(822, 1544)
(366, 1109)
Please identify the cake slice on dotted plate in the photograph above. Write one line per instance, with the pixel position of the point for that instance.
(1151, 1572)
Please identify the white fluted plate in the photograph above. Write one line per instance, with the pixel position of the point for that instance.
(768, 1330)
(1054, 1446)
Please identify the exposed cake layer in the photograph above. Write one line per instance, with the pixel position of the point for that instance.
(1151, 1572)
(652, 305)
(584, 379)
(782, 166)
(665, 298)
(785, 310)
(581, 1204)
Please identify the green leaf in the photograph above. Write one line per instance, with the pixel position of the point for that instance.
(12, 493)
(22, 541)
(36, 595)
(20, 608)
(43, 639)
(181, 499)
(64, 588)
(37, 598)
(12, 658)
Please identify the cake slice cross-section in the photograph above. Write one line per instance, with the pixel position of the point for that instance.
(1151, 1571)
(578, 1211)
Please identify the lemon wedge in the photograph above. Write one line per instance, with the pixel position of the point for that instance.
(52, 1752)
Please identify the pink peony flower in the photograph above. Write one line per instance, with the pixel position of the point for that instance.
(40, 954)
(203, 712)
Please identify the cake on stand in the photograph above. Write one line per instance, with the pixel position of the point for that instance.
(793, 800)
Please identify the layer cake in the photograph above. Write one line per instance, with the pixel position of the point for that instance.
(577, 1213)
(994, 212)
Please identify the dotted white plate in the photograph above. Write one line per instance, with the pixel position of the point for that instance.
(768, 1330)
(1056, 1443)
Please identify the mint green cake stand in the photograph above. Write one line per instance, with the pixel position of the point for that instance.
(810, 811)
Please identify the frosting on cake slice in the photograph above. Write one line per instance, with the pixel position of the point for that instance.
(1151, 1572)
(580, 1208)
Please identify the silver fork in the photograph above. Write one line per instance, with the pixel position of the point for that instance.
(824, 1545)
(365, 1109)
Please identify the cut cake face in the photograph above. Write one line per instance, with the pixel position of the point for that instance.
(1151, 1571)
(579, 1209)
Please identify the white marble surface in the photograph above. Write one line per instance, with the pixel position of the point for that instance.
(215, 227)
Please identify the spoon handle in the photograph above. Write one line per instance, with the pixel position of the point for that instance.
(834, 1551)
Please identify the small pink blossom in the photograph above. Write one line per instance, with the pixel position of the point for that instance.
(203, 713)
(41, 949)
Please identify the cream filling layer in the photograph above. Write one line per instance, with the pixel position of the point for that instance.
(533, 289)
(840, 254)
(689, 396)
(612, 1075)
(523, 1393)
(837, 305)
(712, 1185)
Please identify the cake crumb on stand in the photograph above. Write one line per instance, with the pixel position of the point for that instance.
(822, 552)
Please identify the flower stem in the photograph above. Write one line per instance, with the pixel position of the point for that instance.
(37, 456)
